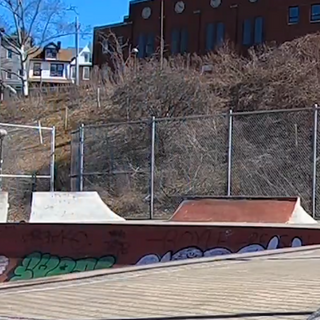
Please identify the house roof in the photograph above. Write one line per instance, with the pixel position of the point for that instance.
(64, 55)
(74, 50)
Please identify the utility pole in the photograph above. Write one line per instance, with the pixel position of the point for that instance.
(77, 50)
(1, 73)
(161, 34)
(3, 133)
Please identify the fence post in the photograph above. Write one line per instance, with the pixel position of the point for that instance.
(152, 164)
(314, 173)
(53, 146)
(81, 156)
(230, 132)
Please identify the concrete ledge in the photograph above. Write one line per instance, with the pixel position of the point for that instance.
(163, 223)
(130, 269)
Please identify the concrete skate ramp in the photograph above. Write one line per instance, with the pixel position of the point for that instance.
(68, 207)
(235, 209)
(4, 205)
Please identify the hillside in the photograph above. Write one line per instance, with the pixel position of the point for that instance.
(285, 77)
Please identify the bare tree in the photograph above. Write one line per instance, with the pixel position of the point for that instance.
(117, 52)
(31, 24)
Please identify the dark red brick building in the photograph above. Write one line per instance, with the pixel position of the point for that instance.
(201, 25)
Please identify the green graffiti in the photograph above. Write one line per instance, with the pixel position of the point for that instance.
(37, 265)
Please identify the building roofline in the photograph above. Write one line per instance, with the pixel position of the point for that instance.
(124, 23)
(139, 1)
(114, 25)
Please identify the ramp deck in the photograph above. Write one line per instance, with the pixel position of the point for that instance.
(282, 285)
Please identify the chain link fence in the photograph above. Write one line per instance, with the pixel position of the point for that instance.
(272, 154)
(152, 164)
(190, 159)
(116, 163)
(23, 149)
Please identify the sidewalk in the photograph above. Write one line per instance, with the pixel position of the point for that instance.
(281, 286)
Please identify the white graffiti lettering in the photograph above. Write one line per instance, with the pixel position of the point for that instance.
(4, 262)
(193, 252)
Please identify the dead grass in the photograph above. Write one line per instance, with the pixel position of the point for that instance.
(191, 157)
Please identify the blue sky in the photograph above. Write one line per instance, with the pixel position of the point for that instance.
(96, 13)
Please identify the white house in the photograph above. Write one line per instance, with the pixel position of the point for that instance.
(54, 65)
(85, 63)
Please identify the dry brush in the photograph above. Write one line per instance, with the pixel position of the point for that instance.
(191, 155)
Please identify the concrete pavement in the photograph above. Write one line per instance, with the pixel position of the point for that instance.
(263, 286)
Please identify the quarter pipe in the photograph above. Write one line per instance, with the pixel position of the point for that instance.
(242, 209)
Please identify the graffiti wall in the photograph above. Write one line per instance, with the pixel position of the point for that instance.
(29, 251)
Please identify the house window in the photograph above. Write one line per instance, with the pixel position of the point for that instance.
(51, 53)
(37, 69)
(21, 72)
(86, 57)
(253, 36)
(9, 54)
(9, 74)
(86, 73)
(315, 13)
(258, 30)
(73, 72)
(56, 70)
(293, 15)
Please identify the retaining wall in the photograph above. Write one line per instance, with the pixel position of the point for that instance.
(30, 251)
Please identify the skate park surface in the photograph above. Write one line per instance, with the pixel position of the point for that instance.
(275, 284)
(51, 246)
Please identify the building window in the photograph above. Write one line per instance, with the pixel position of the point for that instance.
(293, 15)
(215, 35)
(37, 69)
(210, 38)
(9, 54)
(315, 13)
(120, 41)
(184, 41)
(105, 46)
(21, 72)
(220, 34)
(175, 41)
(142, 42)
(86, 73)
(51, 53)
(56, 69)
(247, 33)
(258, 30)
(253, 36)
(73, 72)
(150, 45)
(179, 41)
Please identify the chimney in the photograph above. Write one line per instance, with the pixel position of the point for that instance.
(59, 45)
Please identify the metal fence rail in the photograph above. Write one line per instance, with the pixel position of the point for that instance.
(23, 148)
(154, 162)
